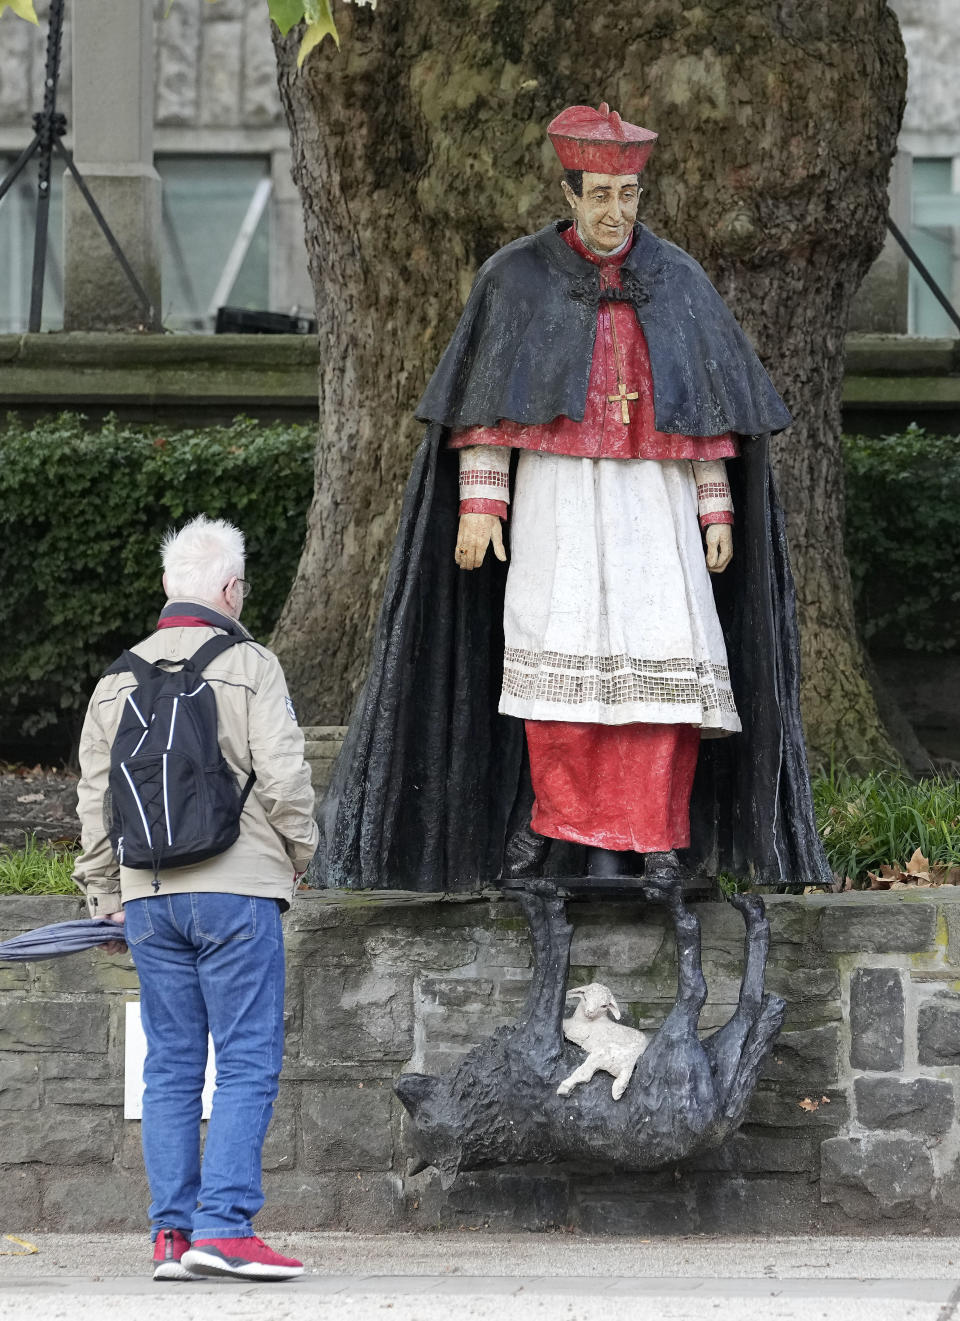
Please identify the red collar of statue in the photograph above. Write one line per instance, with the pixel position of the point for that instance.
(606, 263)
(609, 279)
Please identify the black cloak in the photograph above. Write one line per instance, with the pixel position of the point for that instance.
(432, 781)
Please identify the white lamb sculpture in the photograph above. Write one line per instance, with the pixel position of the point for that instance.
(610, 1046)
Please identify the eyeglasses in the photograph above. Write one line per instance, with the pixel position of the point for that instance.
(245, 587)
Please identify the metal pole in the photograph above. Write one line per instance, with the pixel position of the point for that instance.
(46, 126)
(935, 289)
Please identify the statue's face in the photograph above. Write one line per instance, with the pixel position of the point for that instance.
(606, 212)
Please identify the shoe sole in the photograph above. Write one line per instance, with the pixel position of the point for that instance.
(211, 1264)
(173, 1270)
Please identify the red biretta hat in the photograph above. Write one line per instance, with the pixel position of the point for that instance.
(599, 141)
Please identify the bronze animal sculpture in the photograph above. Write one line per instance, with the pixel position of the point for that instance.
(500, 1105)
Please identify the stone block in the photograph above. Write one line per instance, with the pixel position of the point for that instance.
(58, 1135)
(280, 1148)
(598, 944)
(299, 1200)
(732, 1204)
(55, 1065)
(71, 1025)
(922, 1105)
(82, 973)
(13, 976)
(22, 912)
(19, 1198)
(15, 103)
(370, 1203)
(876, 1176)
(178, 42)
(353, 1015)
(749, 1153)
(879, 926)
(792, 923)
(220, 81)
(261, 100)
(19, 1083)
(631, 1212)
(806, 1058)
(460, 1011)
(948, 1191)
(434, 950)
(347, 1126)
(84, 1202)
(938, 1029)
(782, 1108)
(505, 1200)
(801, 985)
(876, 1019)
(84, 1091)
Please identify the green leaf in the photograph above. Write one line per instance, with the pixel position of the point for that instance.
(22, 9)
(316, 31)
(286, 13)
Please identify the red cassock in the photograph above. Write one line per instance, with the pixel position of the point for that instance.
(623, 787)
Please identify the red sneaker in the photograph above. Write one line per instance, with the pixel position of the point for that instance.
(249, 1258)
(168, 1249)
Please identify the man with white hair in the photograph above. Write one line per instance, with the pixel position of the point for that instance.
(206, 937)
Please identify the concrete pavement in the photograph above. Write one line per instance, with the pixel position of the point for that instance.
(503, 1277)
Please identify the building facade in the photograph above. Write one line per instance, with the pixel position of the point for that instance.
(232, 231)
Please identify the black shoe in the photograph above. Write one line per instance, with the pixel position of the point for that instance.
(661, 866)
(524, 855)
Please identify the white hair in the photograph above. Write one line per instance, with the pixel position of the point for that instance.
(201, 558)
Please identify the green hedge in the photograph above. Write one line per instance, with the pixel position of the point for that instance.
(82, 511)
(903, 505)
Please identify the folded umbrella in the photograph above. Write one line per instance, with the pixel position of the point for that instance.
(59, 938)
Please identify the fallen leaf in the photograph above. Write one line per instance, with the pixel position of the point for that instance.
(918, 865)
(848, 882)
(824, 1100)
(808, 1105)
(879, 882)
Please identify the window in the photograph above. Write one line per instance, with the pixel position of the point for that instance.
(936, 236)
(215, 240)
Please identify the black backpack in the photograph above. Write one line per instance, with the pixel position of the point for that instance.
(172, 798)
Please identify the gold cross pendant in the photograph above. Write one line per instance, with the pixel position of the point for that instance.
(621, 398)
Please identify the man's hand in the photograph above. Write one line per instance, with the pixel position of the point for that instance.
(474, 536)
(719, 538)
(115, 946)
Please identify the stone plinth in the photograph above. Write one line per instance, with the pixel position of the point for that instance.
(850, 1129)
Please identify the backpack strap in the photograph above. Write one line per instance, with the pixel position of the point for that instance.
(128, 662)
(210, 650)
(199, 661)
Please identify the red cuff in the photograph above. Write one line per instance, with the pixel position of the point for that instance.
(722, 516)
(498, 507)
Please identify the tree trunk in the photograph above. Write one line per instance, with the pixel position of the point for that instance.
(420, 148)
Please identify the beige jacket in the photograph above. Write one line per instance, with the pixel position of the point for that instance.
(258, 731)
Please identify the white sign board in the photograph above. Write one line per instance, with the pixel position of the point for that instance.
(135, 1053)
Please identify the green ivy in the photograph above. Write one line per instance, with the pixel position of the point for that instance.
(902, 501)
(82, 511)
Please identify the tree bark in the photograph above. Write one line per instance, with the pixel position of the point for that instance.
(420, 148)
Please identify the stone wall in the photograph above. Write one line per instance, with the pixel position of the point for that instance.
(854, 1124)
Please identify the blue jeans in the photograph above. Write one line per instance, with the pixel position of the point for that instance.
(207, 962)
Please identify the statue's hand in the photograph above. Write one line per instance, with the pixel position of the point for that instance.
(475, 535)
(719, 538)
